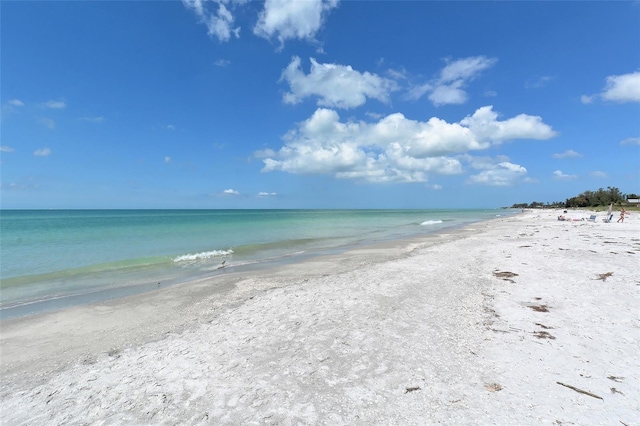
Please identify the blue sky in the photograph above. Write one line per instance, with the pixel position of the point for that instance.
(316, 104)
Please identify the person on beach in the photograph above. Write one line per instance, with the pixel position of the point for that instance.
(622, 213)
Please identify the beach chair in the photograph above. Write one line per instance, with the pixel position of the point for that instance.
(609, 216)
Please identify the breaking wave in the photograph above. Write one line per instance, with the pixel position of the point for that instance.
(202, 256)
(430, 222)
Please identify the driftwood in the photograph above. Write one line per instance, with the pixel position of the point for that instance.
(546, 327)
(544, 335)
(593, 395)
(412, 389)
(539, 308)
(604, 276)
(505, 275)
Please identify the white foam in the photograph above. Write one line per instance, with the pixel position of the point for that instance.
(431, 222)
(203, 255)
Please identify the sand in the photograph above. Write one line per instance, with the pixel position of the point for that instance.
(519, 320)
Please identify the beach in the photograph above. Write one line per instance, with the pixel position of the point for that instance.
(517, 320)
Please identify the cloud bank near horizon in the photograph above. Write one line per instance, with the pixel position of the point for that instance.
(398, 149)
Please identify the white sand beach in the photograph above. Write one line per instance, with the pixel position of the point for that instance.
(522, 320)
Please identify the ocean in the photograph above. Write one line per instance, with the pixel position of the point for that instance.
(51, 259)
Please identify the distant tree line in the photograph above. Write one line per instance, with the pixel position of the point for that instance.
(601, 197)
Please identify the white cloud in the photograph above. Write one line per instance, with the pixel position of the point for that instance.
(586, 99)
(338, 86)
(449, 86)
(222, 63)
(16, 102)
(167, 159)
(567, 154)
(267, 194)
(598, 174)
(393, 149)
(55, 104)
(623, 88)
(397, 74)
(230, 192)
(618, 88)
(171, 127)
(501, 174)
(484, 124)
(558, 174)
(446, 94)
(47, 122)
(42, 152)
(292, 19)
(5, 148)
(465, 69)
(218, 18)
(630, 141)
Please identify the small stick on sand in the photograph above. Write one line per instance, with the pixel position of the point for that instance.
(580, 390)
(604, 277)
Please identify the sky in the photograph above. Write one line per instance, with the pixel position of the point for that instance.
(316, 103)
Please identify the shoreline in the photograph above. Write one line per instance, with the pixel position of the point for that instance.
(181, 304)
(439, 328)
(88, 284)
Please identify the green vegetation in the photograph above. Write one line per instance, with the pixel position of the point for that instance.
(600, 198)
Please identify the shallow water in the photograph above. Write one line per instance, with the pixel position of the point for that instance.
(51, 259)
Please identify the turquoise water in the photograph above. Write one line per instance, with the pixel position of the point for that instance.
(52, 259)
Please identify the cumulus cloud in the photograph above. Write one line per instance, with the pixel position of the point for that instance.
(501, 174)
(395, 148)
(618, 88)
(230, 192)
(218, 17)
(167, 159)
(5, 148)
(622, 88)
(292, 19)
(449, 86)
(630, 141)
(558, 174)
(567, 154)
(42, 152)
(338, 86)
(16, 102)
(485, 125)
